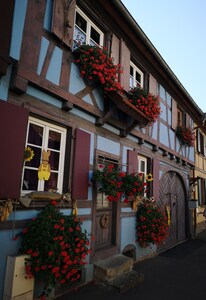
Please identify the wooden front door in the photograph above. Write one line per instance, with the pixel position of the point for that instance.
(172, 199)
(105, 222)
(106, 216)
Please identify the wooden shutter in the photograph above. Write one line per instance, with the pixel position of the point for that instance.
(156, 184)
(63, 20)
(152, 85)
(187, 117)
(81, 165)
(132, 161)
(198, 142)
(125, 63)
(13, 125)
(174, 114)
(115, 49)
(6, 18)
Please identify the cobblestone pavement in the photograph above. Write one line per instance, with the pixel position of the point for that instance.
(177, 274)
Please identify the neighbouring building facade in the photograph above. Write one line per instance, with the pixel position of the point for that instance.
(47, 105)
(199, 179)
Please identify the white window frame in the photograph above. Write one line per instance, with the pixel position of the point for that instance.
(142, 159)
(132, 78)
(46, 127)
(88, 29)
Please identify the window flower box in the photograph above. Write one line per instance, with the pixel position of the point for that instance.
(185, 135)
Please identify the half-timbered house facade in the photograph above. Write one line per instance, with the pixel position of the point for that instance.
(45, 104)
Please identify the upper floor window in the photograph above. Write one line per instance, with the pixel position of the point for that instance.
(136, 76)
(86, 32)
(44, 136)
(181, 117)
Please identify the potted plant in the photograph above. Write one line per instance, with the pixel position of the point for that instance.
(57, 246)
(151, 223)
(185, 135)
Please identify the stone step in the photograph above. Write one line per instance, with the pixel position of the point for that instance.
(126, 281)
(112, 267)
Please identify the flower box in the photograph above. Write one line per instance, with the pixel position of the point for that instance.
(124, 105)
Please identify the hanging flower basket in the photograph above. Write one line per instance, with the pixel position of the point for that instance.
(185, 135)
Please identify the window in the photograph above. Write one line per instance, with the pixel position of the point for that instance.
(142, 167)
(181, 118)
(200, 142)
(86, 32)
(201, 186)
(136, 76)
(44, 136)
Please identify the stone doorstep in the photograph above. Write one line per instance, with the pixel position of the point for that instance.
(112, 267)
(126, 281)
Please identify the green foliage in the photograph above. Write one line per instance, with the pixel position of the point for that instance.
(57, 246)
(151, 224)
(185, 135)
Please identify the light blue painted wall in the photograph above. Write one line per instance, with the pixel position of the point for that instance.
(48, 15)
(17, 28)
(4, 84)
(163, 136)
(172, 139)
(83, 115)
(43, 50)
(154, 131)
(169, 117)
(88, 99)
(9, 248)
(43, 96)
(191, 153)
(128, 232)
(108, 145)
(99, 98)
(54, 69)
(129, 236)
(124, 157)
(163, 111)
(111, 129)
(76, 83)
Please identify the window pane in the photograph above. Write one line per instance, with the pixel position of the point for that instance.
(30, 180)
(142, 166)
(81, 22)
(162, 92)
(54, 160)
(131, 71)
(52, 182)
(95, 35)
(131, 81)
(79, 37)
(35, 162)
(35, 134)
(54, 140)
(138, 77)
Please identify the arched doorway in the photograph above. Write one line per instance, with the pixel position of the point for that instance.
(172, 196)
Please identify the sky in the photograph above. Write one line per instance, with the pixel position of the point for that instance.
(177, 29)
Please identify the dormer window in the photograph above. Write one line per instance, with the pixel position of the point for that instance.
(86, 32)
(136, 76)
